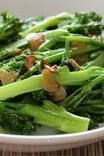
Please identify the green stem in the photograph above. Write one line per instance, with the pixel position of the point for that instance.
(55, 34)
(73, 101)
(51, 115)
(99, 61)
(92, 102)
(46, 45)
(50, 21)
(84, 39)
(36, 82)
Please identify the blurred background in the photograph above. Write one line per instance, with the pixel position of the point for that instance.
(49, 7)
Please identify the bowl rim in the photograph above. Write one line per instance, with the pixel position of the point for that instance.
(52, 139)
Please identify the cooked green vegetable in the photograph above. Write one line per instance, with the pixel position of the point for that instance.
(47, 114)
(36, 82)
(10, 26)
(50, 21)
(16, 123)
(51, 73)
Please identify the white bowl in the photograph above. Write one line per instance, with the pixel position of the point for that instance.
(50, 142)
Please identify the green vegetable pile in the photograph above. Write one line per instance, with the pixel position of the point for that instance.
(51, 73)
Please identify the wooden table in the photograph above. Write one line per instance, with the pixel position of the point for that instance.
(95, 149)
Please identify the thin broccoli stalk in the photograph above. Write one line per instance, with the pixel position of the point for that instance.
(55, 58)
(50, 21)
(47, 45)
(76, 27)
(93, 109)
(84, 39)
(92, 106)
(55, 34)
(51, 115)
(87, 49)
(58, 53)
(49, 52)
(72, 102)
(99, 61)
(35, 82)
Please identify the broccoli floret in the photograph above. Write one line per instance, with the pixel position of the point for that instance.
(85, 18)
(39, 96)
(16, 123)
(85, 23)
(10, 26)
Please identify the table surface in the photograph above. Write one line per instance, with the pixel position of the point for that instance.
(95, 149)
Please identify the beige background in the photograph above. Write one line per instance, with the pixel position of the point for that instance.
(49, 7)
